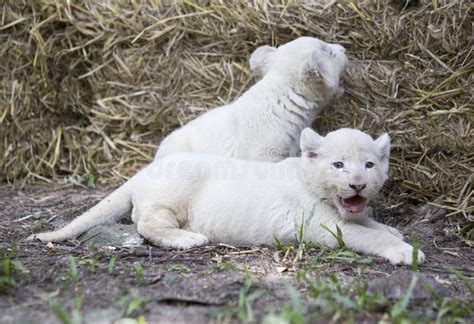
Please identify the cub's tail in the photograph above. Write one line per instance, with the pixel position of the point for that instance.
(110, 209)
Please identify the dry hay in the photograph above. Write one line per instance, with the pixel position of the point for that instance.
(89, 88)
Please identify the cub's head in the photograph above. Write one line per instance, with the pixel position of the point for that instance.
(346, 167)
(307, 63)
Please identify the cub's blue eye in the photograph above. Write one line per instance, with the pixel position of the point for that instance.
(369, 165)
(338, 165)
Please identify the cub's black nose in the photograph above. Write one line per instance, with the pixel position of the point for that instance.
(358, 187)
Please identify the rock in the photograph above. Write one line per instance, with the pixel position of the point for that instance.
(395, 285)
(124, 235)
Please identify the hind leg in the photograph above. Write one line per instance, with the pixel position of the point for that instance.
(161, 227)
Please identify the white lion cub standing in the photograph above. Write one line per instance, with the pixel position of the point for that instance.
(186, 200)
(264, 124)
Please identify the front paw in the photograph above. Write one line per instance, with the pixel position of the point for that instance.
(402, 254)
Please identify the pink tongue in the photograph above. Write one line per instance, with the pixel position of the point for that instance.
(354, 204)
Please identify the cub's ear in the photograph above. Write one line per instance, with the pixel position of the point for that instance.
(383, 144)
(260, 59)
(310, 141)
(319, 64)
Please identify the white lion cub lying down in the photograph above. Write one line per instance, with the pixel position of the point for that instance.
(186, 200)
(264, 124)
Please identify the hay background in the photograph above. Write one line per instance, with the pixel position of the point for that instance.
(89, 89)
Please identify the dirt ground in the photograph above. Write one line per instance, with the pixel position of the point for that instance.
(62, 282)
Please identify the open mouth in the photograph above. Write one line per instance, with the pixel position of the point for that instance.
(354, 204)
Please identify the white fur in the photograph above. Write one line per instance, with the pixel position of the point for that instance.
(264, 124)
(186, 200)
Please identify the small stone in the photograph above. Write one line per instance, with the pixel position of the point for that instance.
(110, 235)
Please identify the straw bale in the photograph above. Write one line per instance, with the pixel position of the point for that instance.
(88, 88)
